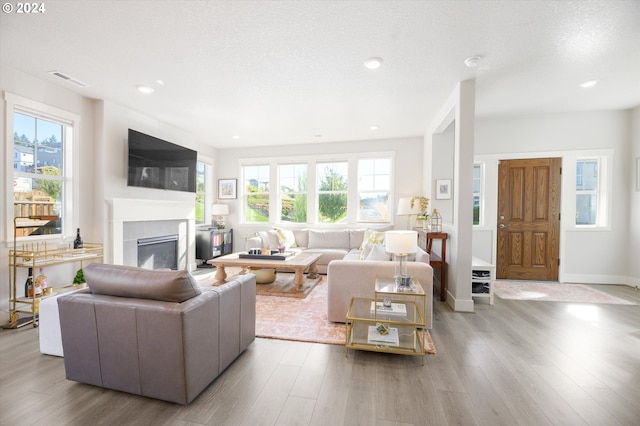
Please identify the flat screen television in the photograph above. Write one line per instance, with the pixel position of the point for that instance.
(156, 163)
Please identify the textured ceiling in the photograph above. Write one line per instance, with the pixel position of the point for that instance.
(288, 72)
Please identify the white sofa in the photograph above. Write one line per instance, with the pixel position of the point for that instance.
(342, 244)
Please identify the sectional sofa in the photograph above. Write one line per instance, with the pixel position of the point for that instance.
(351, 259)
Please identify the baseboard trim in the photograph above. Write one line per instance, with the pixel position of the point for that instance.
(601, 279)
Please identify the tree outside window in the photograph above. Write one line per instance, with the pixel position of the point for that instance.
(332, 192)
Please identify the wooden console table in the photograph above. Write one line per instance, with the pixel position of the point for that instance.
(437, 261)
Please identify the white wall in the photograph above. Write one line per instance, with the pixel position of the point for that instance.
(634, 197)
(407, 169)
(590, 256)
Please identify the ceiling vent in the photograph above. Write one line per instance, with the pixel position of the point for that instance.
(69, 79)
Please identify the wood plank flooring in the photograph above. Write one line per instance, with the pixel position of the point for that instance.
(513, 363)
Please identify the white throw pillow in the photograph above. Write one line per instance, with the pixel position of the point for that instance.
(378, 252)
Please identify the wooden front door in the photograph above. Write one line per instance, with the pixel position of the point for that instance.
(529, 219)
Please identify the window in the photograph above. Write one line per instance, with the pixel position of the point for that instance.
(477, 193)
(202, 177)
(41, 175)
(374, 183)
(332, 192)
(587, 191)
(293, 192)
(319, 189)
(256, 193)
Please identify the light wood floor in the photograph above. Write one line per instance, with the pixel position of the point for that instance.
(528, 363)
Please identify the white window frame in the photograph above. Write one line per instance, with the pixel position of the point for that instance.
(312, 196)
(604, 188)
(15, 103)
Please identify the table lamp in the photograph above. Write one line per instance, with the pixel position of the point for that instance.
(401, 243)
(219, 210)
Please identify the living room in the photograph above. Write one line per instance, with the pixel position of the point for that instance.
(604, 254)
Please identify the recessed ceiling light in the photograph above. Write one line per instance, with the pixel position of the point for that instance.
(374, 127)
(589, 83)
(373, 63)
(160, 82)
(472, 62)
(145, 89)
(235, 137)
(317, 136)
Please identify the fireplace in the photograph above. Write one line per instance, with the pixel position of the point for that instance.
(139, 219)
(158, 252)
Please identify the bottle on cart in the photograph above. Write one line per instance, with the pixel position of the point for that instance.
(77, 243)
(41, 283)
(28, 285)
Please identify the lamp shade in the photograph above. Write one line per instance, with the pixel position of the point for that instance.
(401, 242)
(219, 209)
(405, 209)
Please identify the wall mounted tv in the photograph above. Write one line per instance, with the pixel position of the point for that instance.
(155, 163)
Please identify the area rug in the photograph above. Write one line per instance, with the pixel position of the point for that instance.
(554, 292)
(284, 286)
(304, 320)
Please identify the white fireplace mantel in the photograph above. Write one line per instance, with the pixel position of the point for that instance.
(133, 210)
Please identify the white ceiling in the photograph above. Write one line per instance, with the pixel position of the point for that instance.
(289, 72)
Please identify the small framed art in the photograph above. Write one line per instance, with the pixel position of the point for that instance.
(443, 189)
(227, 189)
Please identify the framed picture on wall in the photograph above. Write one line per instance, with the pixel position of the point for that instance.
(443, 189)
(227, 189)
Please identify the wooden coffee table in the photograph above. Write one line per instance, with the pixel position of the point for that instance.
(298, 263)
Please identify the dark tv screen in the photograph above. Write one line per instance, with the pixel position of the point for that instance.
(156, 163)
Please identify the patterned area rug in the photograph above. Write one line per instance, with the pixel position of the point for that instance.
(284, 286)
(304, 320)
(554, 292)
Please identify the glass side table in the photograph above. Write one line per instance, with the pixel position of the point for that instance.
(392, 322)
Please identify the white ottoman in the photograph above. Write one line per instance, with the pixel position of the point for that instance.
(49, 328)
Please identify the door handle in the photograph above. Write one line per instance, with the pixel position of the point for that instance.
(502, 226)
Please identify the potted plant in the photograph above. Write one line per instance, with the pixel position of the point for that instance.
(78, 280)
(423, 216)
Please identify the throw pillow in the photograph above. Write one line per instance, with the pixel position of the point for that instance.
(372, 236)
(378, 252)
(285, 237)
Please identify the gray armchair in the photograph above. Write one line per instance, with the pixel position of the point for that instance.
(154, 333)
